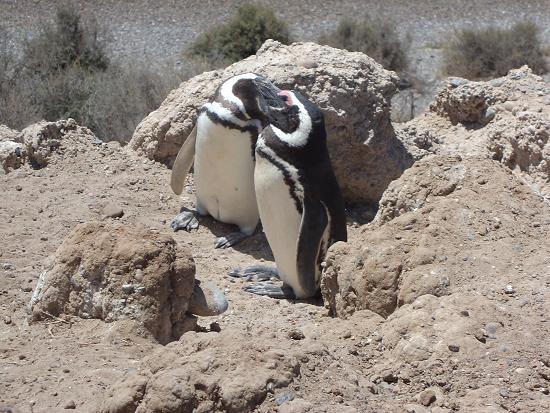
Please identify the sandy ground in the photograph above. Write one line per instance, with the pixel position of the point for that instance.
(69, 363)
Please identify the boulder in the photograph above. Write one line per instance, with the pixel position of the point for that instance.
(506, 119)
(352, 90)
(205, 372)
(445, 225)
(108, 271)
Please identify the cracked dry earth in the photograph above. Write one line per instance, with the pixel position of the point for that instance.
(469, 350)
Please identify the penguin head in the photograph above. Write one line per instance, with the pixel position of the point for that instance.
(298, 113)
(257, 96)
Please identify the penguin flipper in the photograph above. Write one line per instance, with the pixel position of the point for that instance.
(313, 226)
(183, 162)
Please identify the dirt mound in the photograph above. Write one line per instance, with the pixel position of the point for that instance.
(111, 272)
(506, 119)
(436, 225)
(36, 143)
(205, 373)
(351, 89)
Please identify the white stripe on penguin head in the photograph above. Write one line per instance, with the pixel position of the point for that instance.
(300, 136)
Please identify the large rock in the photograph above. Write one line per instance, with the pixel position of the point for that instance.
(112, 272)
(445, 225)
(205, 372)
(506, 119)
(352, 90)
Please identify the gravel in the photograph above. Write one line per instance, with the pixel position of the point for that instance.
(161, 32)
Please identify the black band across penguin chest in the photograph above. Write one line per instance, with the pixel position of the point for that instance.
(289, 180)
(248, 128)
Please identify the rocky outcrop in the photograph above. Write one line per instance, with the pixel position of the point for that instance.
(206, 372)
(506, 119)
(112, 272)
(351, 89)
(36, 143)
(435, 225)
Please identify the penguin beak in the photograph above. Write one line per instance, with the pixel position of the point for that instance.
(270, 93)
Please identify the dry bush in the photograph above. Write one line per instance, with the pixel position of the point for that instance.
(374, 36)
(241, 37)
(492, 52)
(64, 72)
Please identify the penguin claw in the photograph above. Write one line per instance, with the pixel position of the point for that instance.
(270, 290)
(230, 239)
(255, 273)
(186, 220)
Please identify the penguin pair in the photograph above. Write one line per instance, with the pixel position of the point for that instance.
(287, 180)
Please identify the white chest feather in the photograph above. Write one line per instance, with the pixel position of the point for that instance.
(224, 174)
(280, 218)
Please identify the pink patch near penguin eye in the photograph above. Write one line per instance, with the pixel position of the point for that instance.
(286, 94)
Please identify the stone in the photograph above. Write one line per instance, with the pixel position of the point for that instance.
(70, 405)
(296, 335)
(455, 348)
(352, 90)
(427, 397)
(113, 211)
(86, 276)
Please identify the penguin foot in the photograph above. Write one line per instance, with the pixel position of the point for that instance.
(230, 239)
(255, 273)
(269, 289)
(186, 220)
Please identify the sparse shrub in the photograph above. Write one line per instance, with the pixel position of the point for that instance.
(241, 37)
(66, 43)
(492, 52)
(376, 37)
(65, 72)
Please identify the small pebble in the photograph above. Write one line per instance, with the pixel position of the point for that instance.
(70, 405)
(509, 289)
(128, 288)
(18, 188)
(455, 348)
(113, 211)
(296, 335)
(285, 397)
(138, 275)
(427, 397)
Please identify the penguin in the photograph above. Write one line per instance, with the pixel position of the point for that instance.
(300, 204)
(222, 148)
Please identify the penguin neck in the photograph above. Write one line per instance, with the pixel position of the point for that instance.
(221, 114)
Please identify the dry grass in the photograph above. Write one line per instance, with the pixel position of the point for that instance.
(241, 37)
(374, 36)
(64, 72)
(492, 52)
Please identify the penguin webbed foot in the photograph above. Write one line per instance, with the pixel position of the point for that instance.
(186, 220)
(256, 272)
(230, 239)
(269, 289)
